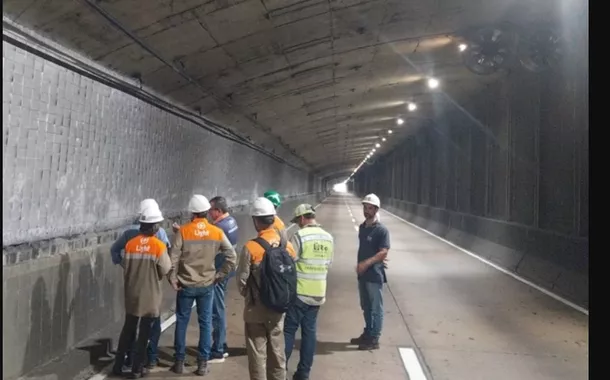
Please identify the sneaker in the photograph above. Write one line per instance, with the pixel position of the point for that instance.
(151, 364)
(217, 358)
(178, 367)
(202, 368)
(363, 337)
(369, 344)
(225, 355)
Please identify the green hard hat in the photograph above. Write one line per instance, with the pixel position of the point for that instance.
(274, 197)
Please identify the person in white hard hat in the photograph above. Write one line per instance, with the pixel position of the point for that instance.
(145, 264)
(263, 326)
(372, 252)
(193, 276)
(116, 251)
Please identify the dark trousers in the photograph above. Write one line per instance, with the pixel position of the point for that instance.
(128, 335)
(305, 316)
(153, 345)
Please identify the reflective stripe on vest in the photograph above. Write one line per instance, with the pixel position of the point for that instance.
(312, 266)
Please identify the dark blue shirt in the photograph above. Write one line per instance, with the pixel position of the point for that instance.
(229, 226)
(372, 239)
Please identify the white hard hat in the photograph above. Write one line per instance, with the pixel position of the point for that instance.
(372, 199)
(146, 203)
(262, 207)
(199, 203)
(151, 214)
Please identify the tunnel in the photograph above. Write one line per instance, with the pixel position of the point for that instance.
(468, 119)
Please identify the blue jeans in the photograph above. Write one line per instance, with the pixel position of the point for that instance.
(371, 303)
(204, 297)
(219, 318)
(305, 316)
(153, 344)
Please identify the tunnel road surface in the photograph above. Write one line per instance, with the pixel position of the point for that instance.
(448, 316)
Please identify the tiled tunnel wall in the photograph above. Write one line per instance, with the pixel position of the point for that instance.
(78, 156)
(505, 177)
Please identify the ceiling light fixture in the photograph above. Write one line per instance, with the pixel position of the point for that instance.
(433, 83)
(462, 47)
(383, 139)
(412, 107)
(377, 145)
(389, 131)
(400, 121)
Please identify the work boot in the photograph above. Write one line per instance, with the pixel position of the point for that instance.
(363, 337)
(143, 372)
(178, 367)
(369, 344)
(299, 376)
(202, 368)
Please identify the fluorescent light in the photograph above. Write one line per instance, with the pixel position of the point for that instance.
(389, 131)
(462, 47)
(400, 121)
(412, 107)
(433, 83)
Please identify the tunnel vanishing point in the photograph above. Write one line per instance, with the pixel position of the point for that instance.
(469, 119)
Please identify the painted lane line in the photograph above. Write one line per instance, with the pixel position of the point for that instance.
(411, 363)
(495, 266)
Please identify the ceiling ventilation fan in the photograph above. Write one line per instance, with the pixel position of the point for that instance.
(489, 49)
(540, 50)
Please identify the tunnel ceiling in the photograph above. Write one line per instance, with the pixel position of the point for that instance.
(328, 78)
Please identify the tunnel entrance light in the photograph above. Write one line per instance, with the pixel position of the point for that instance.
(400, 121)
(433, 83)
(412, 107)
(462, 47)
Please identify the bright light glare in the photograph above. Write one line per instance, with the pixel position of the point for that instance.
(377, 145)
(383, 139)
(389, 132)
(340, 187)
(462, 47)
(412, 107)
(400, 121)
(433, 83)
(374, 150)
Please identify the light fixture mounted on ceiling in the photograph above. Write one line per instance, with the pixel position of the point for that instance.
(383, 139)
(462, 47)
(412, 107)
(377, 145)
(433, 83)
(400, 121)
(389, 131)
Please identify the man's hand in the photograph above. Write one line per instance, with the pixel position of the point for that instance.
(362, 267)
(176, 227)
(174, 284)
(385, 263)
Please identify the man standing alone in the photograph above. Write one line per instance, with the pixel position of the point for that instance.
(314, 248)
(374, 246)
(219, 215)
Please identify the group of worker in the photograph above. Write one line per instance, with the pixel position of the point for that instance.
(282, 279)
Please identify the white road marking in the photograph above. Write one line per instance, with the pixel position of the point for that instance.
(411, 363)
(495, 266)
(164, 326)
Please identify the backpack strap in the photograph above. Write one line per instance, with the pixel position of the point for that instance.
(263, 243)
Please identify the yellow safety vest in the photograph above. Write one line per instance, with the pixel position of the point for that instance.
(314, 259)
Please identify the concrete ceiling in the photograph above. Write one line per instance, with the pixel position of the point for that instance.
(327, 77)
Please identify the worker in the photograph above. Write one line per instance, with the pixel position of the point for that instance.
(314, 248)
(373, 250)
(276, 199)
(116, 250)
(193, 276)
(268, 291)
(220, 217)
(145, 263)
